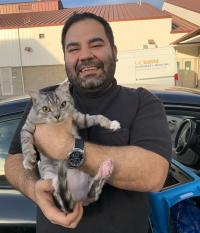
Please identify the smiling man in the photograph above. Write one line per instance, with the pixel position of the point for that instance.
(140, 151)
(90, 62)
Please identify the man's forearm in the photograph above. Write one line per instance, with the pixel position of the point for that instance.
(20, 178)
(134, 168)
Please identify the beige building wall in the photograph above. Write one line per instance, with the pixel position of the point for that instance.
(34, 78)
(42, 76)
(33, 55)
(191, 16)
(36, 58)
(176, 36)
(130, 35)
(17, 81)
(24, 47)
(9, 47)
(188, 56)
(44, 44)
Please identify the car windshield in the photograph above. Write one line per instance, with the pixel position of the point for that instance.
(7, 129)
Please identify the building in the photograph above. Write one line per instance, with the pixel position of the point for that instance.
(31, 55)
(188, 46)
(188, 58)
(188, 10)
(34, 6)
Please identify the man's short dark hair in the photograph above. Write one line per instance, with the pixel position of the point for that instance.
(76, 17)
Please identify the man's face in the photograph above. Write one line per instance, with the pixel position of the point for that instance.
(89, 58)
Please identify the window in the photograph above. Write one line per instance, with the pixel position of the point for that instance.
(188, 65)
(41, 35)
(174, 26)
(7, 129)
(178, 65)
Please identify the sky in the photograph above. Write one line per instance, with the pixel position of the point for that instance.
(77, 3)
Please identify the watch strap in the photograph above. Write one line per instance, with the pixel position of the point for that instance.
(79, 143)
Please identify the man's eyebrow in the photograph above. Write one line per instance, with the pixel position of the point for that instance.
(71, 44)
(96, 39)
(93, 40)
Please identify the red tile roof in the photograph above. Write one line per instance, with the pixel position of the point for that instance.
(24, 7)
(193, 5)
(117, 12)
(180, 24)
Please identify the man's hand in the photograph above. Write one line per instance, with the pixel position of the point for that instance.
(54, 140)
(44, 199)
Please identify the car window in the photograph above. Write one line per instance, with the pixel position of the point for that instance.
(7, 129)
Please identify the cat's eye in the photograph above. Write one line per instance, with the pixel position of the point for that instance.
(63, 104)
(46, 109)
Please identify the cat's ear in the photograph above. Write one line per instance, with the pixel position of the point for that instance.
(64, 87)
(34, 96)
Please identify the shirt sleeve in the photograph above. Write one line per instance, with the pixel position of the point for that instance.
(15, 146)
(150, 128)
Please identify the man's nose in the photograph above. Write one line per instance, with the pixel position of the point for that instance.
(86, 54)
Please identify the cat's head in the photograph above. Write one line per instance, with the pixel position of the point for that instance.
(52, 106)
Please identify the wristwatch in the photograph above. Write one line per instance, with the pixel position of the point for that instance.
(76, 157)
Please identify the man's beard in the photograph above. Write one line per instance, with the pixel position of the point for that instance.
(91, 81)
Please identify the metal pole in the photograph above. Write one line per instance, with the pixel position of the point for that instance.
(20, 57)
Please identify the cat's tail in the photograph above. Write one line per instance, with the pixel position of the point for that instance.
(62, 195)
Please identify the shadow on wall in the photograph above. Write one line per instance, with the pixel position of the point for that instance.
(28, 66)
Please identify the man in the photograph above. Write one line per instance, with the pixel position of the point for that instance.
(140, 150)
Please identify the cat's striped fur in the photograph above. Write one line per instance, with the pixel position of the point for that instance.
(71, 185)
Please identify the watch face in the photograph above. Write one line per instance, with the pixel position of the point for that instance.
(76, 158)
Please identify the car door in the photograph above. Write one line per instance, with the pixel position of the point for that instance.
(8, 126)
(15, 209)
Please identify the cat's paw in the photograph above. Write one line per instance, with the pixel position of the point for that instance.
(105, 169)
(29, 163)
(55, 183)
(115, 125)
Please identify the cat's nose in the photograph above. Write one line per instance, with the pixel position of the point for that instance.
(57, 117)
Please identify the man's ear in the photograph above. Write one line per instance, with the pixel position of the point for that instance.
(115, 52)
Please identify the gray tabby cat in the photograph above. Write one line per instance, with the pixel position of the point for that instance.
(70, 185)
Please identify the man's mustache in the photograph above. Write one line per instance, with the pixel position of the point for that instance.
(89, 63)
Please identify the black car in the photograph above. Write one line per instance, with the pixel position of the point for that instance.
(18, 213)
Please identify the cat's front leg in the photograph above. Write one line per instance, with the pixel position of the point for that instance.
(30, 163)
(108, 124)
(29, 153)
(102, 121)
(85, 120)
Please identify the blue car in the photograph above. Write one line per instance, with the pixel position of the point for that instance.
(18, 213)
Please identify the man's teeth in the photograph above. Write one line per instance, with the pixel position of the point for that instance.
(88, 69)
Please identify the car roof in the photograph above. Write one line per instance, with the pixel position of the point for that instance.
(13, 105)
(178, 97)
(168, 95)
(173, 94)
